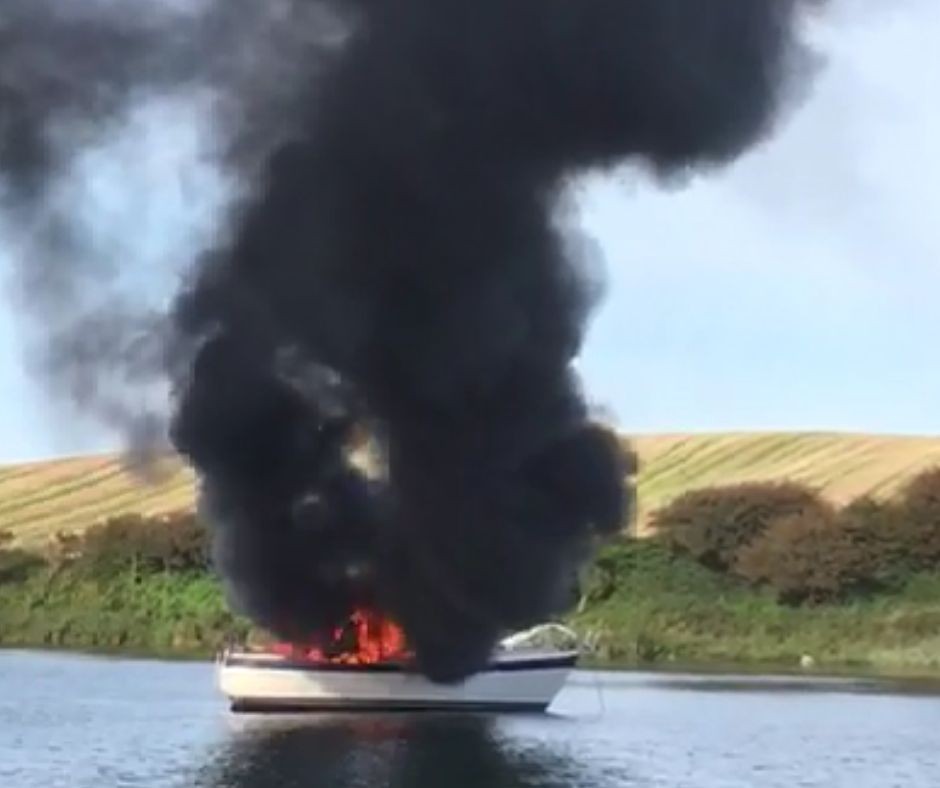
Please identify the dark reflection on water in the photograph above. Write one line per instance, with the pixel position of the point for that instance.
(390, 751)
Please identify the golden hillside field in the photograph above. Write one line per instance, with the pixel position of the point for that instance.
(39, 499)
(840, 466)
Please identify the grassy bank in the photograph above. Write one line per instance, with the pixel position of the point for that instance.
(169, 613)
(645, 605)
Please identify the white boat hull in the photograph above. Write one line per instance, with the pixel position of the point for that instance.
(512, 682)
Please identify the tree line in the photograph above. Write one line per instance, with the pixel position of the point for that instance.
(786, 537)
(176, 542)
(781, 536)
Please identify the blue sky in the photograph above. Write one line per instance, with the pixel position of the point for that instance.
(796, 290)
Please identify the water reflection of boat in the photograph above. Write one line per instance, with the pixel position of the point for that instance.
(395, 751)
(523, 675)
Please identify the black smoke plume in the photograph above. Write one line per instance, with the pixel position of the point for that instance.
(398, 276)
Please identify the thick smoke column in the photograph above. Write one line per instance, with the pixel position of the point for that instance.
(75, 81)
(407, 242)
(402, 271)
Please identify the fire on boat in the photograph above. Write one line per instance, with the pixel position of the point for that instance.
(367, 666)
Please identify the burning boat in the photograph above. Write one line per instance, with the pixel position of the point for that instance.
(367, 667)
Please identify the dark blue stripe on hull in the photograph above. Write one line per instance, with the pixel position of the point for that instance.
(276, 706)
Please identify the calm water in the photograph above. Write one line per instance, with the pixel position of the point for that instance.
(82, 722)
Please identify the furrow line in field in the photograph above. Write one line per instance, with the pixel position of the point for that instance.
(747, 457)
(97, 483)
(110, 481)
(82, 517)
(135, 494)
(52, 474)
(651, 458)
(703, 465)
(807, 467)
(657, 476)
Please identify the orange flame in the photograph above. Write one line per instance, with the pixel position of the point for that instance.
(366, 639)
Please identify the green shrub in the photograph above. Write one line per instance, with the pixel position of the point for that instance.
(876, 527)
(17, 565)
(785, 537)
(713, 524)
(815, 556)
(176, 542)
(640, 567)
(613, 567)
(917, 525)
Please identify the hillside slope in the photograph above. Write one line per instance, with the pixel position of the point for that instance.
(39, 499)
(840, 466)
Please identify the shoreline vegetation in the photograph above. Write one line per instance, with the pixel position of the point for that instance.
(753, 578)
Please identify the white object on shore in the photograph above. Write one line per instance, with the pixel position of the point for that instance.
(520, 677)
